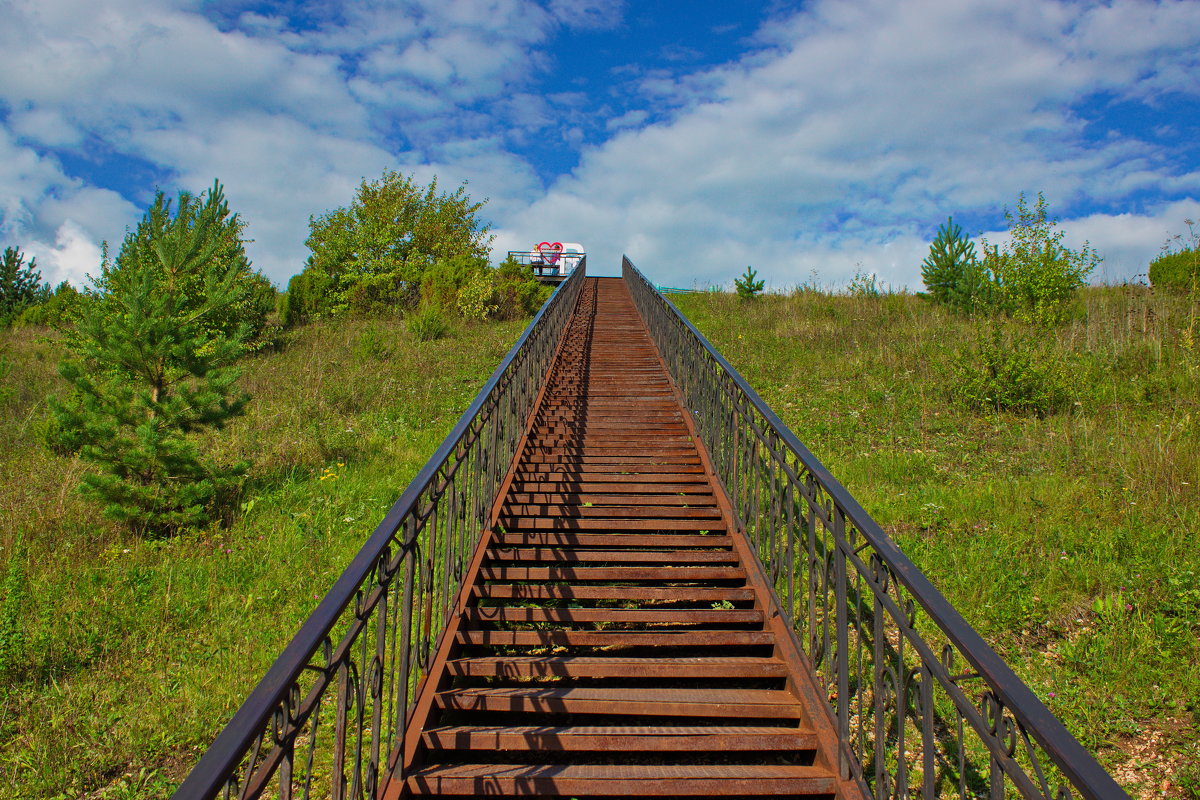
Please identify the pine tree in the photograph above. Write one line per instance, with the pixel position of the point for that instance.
(20, 284)
(950, 260)
(152, 361)
(747, 287)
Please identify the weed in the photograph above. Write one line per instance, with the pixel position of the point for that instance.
(428, 324)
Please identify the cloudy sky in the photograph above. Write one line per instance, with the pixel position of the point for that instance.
(810, 139)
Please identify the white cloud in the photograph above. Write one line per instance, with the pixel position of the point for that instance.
(73, 257)
(858, 127)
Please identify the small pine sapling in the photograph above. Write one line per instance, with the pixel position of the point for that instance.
(747, 287)
(151, 365)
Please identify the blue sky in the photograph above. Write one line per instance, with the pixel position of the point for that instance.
(813, 140)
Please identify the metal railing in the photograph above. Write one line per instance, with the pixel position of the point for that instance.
(329, 718)
(922, 705)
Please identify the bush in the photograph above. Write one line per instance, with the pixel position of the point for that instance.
(476, 299)
(1179, 269)
(1011, 372)
(428, 324)
(1035, 274)
(61, 308)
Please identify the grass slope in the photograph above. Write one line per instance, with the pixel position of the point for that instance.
(120, 657)
(1069, 542)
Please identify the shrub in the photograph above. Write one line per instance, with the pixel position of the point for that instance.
(476, 298)
(1178, 269)
(1011, 372)
(747, 287)
(865, 284)
(62, 307)
(428, 323)
(1036, 275)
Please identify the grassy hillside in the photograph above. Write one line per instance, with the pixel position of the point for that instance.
(1069, 542)
(122, 657)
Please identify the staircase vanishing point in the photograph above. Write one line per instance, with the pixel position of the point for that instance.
(620, 639)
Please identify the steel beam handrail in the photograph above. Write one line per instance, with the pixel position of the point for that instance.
(394, 596)
(857, 619)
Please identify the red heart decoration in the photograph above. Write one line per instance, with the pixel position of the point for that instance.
(549, 251)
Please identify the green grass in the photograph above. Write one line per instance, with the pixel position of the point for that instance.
(1069, 542)
(121, 657)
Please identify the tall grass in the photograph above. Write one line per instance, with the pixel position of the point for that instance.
(129, 655)
(1068, 541)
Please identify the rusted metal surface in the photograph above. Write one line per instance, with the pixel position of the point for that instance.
(615, 643)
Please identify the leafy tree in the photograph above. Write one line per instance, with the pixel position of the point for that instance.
(747, 287)
(60, 307)
(376, 252)
(151, 364)
(1036, 274)
(20, 284)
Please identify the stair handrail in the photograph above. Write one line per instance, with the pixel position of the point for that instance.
(360, 655)
(856, 615)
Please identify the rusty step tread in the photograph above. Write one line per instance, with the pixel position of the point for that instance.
(566, 555)
(617, 666)
(695, 594)
(658, 573)
(560, 483)
(615, 540)
(620, 738)
(655, 702)
(616, 638)
(586, 523)
(620, 781)
(738, 616)
(628, 512)
(614, 499)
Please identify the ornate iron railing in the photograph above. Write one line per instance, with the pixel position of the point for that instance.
(329, 718)
(923, 706)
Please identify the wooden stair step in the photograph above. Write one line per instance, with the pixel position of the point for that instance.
(622, 500)
(603, 780)
(666, 594)
(581, 615)
(566, 555)
(620, 739)
(617, 511)
(655, 702)
(615, 540)
(616, 638)
(663, 574)
(617, 666)
(550, 524)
